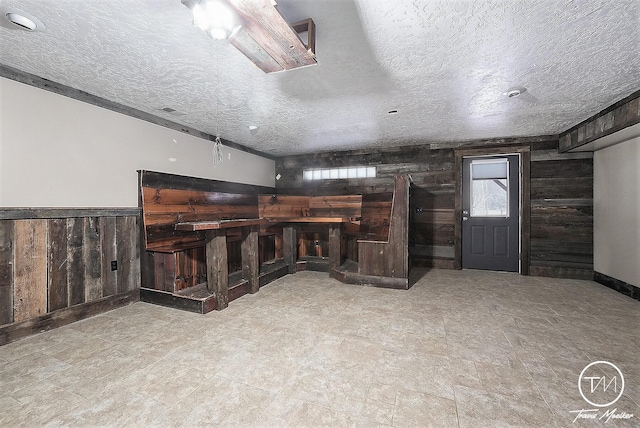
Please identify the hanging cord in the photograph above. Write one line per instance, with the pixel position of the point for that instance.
(217, 145)
(217, 152)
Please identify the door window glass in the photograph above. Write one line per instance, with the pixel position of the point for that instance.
(489, 188)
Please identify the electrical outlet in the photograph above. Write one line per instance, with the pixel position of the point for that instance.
(114, 265)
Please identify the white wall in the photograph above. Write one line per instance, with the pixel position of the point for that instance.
(617, 211)
(59, 152)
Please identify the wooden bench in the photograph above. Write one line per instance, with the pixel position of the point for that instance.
(197, 232)
(381, 253)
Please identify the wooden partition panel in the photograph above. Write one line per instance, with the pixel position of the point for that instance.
(283, 206)
(299, 208)
(347, 206)
(390, 258)
(376, 215)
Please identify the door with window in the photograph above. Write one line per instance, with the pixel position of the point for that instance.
(491, 213)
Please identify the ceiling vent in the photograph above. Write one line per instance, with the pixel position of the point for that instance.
(173, 111)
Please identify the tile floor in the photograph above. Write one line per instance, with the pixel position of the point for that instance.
(459, 349)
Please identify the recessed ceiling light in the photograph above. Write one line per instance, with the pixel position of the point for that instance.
(515, 92)
(21, 21)
(252, 127)
(17, 19)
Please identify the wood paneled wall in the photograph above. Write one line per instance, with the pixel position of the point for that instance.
(620, 115)
(561, 198)
(53, 264)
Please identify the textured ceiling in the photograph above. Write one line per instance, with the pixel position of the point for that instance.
(443, 64)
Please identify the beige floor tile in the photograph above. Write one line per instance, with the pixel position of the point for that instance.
(153, 382)
(381, 392)
(420, 344)
(262, 371)
(468, 347)
(514, 382)
(426, 373)
(378, 412)
(219, 402)
(340, 387)
(417, 409)
(41, 403)
(298, 413)
(481, 408)
(288, 343)
(464, 372)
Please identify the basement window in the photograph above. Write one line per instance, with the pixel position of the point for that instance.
(339, 173)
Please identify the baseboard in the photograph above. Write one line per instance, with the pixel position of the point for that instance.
(615, 284)
(371, 280)
(317, 264)
(177, 301)
(21, 329)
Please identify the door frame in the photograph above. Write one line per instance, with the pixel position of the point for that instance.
(525, 199)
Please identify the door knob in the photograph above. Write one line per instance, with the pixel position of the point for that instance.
(465, 218)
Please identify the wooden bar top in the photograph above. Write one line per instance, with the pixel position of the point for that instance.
(218, 224)
(192, 226)
(307, 220)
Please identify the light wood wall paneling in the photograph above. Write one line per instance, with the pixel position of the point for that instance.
(6, 271)
(30, 275)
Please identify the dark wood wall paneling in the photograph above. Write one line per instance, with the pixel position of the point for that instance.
(561, 198)
(620, 115)
(52, 264)
(562, 217)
